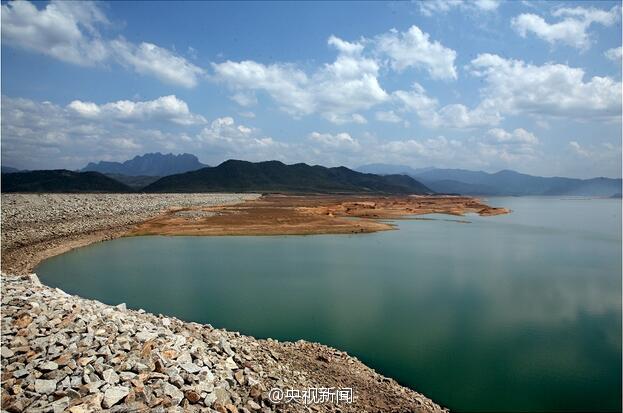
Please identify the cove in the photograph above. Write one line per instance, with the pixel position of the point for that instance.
(514, 312)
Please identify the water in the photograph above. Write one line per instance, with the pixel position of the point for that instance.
(519, 312)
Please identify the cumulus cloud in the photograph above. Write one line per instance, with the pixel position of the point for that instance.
(414, 48)
(387, 116)
(432, 114)
(336, 90)
(339, 90)
(498, 149)
(45, 135)
(168, 108)
(518, 136)
(430, 7)
(68, 31)
(149, 59)
(513, 86)
(572, 30)
(338, 141)
(63, 30)
(615, 54)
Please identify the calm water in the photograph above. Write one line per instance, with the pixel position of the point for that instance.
(519, 312)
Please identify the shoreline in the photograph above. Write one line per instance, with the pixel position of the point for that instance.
(232, 377)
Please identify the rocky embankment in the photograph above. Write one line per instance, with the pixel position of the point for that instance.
(64, 353)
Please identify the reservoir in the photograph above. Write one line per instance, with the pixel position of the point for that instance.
(514, 312)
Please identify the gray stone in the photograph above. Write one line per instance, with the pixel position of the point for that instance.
(45, 386)
(6, 352)
(48, 366)
(113, 395)
(146, 336)
(190, 367)
(20, 373)
(173, 392)
(110, 376)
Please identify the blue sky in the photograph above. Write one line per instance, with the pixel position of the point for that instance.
(488, 85)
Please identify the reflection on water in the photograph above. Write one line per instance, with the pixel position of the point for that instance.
(514, 312)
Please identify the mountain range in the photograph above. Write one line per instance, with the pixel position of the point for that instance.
(505, 182)
(275, 176)
(149, 164)
(230, 176)
(156, 172)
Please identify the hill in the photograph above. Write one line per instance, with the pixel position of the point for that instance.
(150, 164)
(275, 176)
(506, 182)
(60, 180)
(8, 169)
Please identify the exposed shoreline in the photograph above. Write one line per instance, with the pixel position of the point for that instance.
(308, 215)
(241, 374)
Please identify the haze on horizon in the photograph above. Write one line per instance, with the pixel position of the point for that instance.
(487, 85)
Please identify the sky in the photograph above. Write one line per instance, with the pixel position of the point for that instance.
(483, 85)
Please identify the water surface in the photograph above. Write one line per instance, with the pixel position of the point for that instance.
(518, 312)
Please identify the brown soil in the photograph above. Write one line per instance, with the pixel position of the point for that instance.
(304, 215)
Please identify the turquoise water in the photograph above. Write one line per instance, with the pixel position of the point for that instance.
(520, 312)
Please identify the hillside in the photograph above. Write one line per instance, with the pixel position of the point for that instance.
(60, 180)
(9, 170)
(275, 176)
(149, 164)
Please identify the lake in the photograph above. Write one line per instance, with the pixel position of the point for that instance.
(517, 312)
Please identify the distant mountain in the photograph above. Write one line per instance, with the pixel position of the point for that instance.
(8, 169)
(135, 182)
(275, 176)
(60, 180)
(150, 164)
(505, 182)
(388, 169)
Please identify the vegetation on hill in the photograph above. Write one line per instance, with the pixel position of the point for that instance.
(60, 180)
(275, 176)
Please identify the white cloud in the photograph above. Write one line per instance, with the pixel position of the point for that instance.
(518, 136)
(615, 54)
(336, 91)
(45, 135)
(168, 108)
(338, 141)
(431, 114)
(513, 86)
(344, 46)
(63, 30)
(578, 149)
(430, 7)
(244, 99)
(488, 152)
(572, 30)
(387, 116)
(413, 48)
(68, 31)
(147, 58)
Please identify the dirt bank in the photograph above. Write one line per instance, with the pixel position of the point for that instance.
(305, 215)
